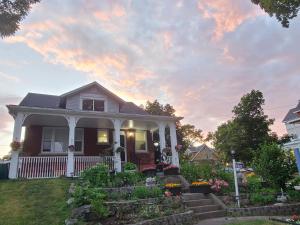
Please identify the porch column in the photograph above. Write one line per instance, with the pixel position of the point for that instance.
(117, 160)
(175, 157)
(13, 166)
(162, 136)
(70, 161)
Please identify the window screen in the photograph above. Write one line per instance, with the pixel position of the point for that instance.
(141, 140)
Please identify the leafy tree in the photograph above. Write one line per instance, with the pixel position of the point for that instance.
(12, 12)
(274, 165)
(284, 10)
(187, 134)
(246, 131)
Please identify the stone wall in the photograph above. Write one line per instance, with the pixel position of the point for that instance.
(273, 210)
(176, 219)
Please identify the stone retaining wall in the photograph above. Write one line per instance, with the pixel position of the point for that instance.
(273, 210)
(176, 219)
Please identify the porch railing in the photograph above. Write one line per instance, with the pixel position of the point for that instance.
(42, 167)
(56, 166)
(85, 162)
(168, 159)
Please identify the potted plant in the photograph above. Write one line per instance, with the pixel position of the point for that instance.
(120, 149)
(15, 145)
(149, 170)
(200, 187)
(217, 184)
(160, 166)
(130, 167)
(174, 188)
(171, 170)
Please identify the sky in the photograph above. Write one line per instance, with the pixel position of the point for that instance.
(199, 56)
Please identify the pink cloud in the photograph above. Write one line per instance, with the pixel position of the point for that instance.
(227, 15)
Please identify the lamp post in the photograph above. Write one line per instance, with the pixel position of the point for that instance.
(237, 195)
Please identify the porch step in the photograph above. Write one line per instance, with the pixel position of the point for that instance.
(210, 214)
(201, 202)
(205, 208)
(194, 196)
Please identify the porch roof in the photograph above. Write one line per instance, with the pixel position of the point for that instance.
(14, 109)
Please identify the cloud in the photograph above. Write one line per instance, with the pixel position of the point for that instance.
(9, 77)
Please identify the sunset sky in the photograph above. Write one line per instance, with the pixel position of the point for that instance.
(199, 56)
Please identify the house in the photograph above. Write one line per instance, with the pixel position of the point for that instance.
(202, 153)
(73, 131)
(292, 123)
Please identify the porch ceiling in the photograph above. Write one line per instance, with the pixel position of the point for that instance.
(45, 120)
(94, 123)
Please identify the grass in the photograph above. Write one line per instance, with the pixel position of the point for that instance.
(34, 202)
(256, 222)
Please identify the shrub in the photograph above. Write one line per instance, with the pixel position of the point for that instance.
(273, 165)
(294, 195)
(261, 198)
(85, 195)
(127, 179)
(254, 184)
(193, 172)
(97, 176)
(99, 207)
(150, 211)
(130, 166)
(144, 192)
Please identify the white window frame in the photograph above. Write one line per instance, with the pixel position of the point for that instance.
(53, 140)
(107, 132)
(93, 97)
(146, 142)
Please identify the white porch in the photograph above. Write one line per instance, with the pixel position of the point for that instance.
(72, 164)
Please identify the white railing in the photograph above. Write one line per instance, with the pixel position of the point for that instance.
(85, 162)
(42, 167)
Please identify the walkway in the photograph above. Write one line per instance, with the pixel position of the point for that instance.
(228, 220)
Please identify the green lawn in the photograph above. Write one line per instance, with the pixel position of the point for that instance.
(34, 202)
(256, 222)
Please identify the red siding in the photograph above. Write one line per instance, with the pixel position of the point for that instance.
(33, 141)
(90, 142)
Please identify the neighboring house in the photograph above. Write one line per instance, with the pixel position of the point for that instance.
(202, 153)
(292, 123)
(73, 131)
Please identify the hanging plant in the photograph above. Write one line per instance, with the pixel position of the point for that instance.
(178, 148)
(120, 149)
(15, 145)
(71, 148)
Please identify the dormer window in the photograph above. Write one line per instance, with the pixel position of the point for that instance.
(93, 105)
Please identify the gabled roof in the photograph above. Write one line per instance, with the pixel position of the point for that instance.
(131, 108)
(199, 149)
(56, 102)
(41, 101)
(96, 84)
(291, 115)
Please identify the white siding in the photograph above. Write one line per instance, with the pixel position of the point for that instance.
(293, 129)
(74, 101)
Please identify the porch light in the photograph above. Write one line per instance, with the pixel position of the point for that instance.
(156, 144)
(130, 134)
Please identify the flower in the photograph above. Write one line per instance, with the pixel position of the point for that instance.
(218, 184)
(71, 148)
(168, 194)
(199, 183)
(178, 148)
(15, 145)
(172, 185)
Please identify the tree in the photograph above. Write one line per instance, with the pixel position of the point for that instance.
(12, 12)
(187, 134)
(248, 129)
(274, 165)
(284, 10)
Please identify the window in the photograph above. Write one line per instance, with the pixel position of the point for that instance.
(102, 137)
(56, 140)
(79, 139)
(93, 105)
(141, 140)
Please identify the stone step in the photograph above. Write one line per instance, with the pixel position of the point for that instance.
(201, 202)
(194, 196)
(205, 208)
(211, 214)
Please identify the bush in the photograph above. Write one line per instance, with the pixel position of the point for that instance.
(85, 195)
(127, 179)
(150, 211)
(193, 172)
(294, 195)
(254, 184)
(99, 207)
(145, 192)
(261, 199)
(273, 165)
(130, 166)
(97, 176)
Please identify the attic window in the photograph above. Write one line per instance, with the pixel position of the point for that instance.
(93, 105)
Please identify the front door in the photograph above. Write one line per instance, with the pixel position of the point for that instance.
(123, 144)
